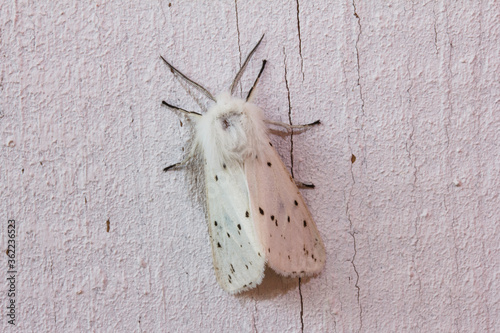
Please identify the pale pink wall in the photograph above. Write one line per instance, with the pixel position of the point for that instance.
(411, 227)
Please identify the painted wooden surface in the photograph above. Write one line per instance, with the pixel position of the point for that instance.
(406, 163)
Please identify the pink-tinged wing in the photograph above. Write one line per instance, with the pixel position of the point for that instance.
(284, 225)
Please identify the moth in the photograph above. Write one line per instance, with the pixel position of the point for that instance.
(256, 214)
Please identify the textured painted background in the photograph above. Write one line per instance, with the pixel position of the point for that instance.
(411, 227)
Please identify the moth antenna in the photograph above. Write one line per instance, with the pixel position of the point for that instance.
(194, 84)
(180, 109)
(249, 96)
(242, 69)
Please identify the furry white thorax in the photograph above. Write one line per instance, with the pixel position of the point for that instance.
(231, 131)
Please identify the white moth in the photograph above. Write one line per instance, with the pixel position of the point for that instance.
(255, 212)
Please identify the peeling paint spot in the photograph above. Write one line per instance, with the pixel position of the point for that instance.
(10, 142)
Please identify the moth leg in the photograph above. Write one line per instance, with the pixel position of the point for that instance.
(179, 164)
(192, 152)
(291, 127)
(174, 165)
(304, 185)
(185, 161)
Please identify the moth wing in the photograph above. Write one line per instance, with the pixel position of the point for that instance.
(238, 257)
(291, 240)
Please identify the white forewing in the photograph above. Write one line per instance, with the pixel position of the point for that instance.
(291, 241)
(238, 256)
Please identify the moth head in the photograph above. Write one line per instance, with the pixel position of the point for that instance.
(229, 113)
(230, 128)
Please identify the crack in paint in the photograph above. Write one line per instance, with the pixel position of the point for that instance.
(410, 138)
(289, 113)
(357, 60)
(253, 317)
(352, 233)
(301, 307)
(448, 95)
(361, 95)
(300, 42)
(435, 29)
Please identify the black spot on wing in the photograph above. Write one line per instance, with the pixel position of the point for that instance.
(215, 223)
(247, 214)
(305, 223)
(269, 164)
(295, 202)
(216, 178)
(261, 211)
